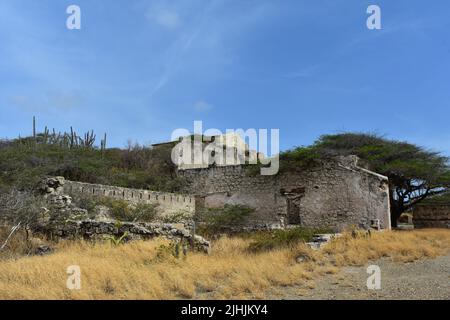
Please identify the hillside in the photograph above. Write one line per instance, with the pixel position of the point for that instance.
(24, 161)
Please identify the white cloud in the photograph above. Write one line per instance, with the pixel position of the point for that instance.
(202, 106)
(166, 18)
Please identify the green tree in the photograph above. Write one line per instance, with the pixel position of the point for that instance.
(414, 172)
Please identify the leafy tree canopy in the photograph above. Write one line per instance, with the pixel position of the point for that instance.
(414, 172)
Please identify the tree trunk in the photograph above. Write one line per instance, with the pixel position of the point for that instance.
(397, 207)
(395, 214)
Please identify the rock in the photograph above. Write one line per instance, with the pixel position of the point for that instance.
(319, 240)
(43, 250)
(59, 201)
(51, 185)
(43, 217)
(314, 245)
(77, 214)
(324, 237)
(49, 190)
(102, 213)
(302, 258)
(97, 230)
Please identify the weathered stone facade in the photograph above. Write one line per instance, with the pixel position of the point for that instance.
(432, 215)
(335, 194)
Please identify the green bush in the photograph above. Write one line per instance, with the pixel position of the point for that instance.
(177, 217)
(85, 201)
(124, 211)
(269, 240)
(299, 158)
(145, 212)
(221, 220)
(120, 210)
(171, 251)
(24, 164)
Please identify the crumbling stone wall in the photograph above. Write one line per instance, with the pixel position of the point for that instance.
(335, 194)
(432, 215)
(100, 230)
(63, 219)
(167, 202)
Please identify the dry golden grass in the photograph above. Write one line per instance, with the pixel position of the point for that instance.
(136, 271)
(18, 245)
(400, 246)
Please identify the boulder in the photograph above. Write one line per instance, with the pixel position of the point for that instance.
(51, 185)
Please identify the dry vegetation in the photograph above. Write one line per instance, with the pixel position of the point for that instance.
(143, 270)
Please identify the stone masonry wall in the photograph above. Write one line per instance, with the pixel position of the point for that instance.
(432, 215)
(167, 202)
(335, 194)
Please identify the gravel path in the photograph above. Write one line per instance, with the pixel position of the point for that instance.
(425, 279)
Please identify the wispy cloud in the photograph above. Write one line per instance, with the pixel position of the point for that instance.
(168, 19)
(202, 106)
(51, 101)
(208, 28)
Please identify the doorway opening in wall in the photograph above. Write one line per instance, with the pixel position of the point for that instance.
(293, 197)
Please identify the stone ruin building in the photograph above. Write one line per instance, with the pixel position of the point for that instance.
(433, 212)
(335, 194)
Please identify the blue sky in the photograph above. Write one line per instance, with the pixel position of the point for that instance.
(140, 69)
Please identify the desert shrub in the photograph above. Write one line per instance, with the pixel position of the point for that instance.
(177, 217)
(171, 250)
(86, 201)
(120, 210)
(230, 218)
(22, 165)
(124, 211)
(269, 240)
(144, 212)
(20, 212)
(17, 244)
(20, 243)
(22, 207)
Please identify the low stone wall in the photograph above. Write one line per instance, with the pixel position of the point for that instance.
(167, 202)
(100, 230)
(432, 216)
(63, 219)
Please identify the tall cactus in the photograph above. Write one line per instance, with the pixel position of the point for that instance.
(45, 135)
(69, 140)
(72, 138)
(89, 139)
(34, 132)
(103, 143)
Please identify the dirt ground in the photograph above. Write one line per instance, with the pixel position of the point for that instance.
(425, 279)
